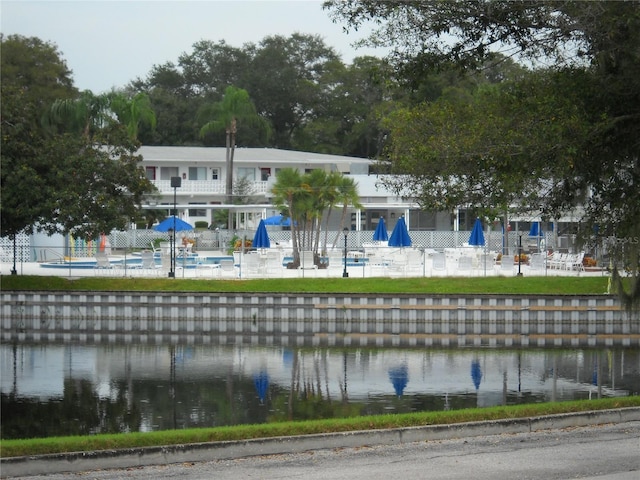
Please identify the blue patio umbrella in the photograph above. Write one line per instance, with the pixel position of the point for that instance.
(261, 382)
(261, 238)
(477, 236)
(536, 230)
(399, 377)
(278, 220)
(168, 224)
(400, 236)
(380, 235)
(476, 373)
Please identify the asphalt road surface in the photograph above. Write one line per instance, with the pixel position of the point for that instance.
(605, 452)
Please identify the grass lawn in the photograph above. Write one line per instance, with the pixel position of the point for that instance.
(40, 446)
(421, 285)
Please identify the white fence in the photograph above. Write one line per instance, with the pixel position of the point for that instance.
(28, 250)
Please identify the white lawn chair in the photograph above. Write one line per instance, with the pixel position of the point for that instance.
(103, 265)
(148, 263)
(439, 263)
(465, 265)
(307, 261)
(506, 264)
(415, 266)
(227, 268)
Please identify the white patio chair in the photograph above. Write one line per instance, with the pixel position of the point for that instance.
(439, 263)
(415, 265)
(536, 262)
(307, 261)
(250, 265)
(506, 264)
(148, 263)
(227, 268)
(273, 263)
(103, 265)
(465, 265)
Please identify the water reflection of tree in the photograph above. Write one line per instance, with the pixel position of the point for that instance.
(80, 411)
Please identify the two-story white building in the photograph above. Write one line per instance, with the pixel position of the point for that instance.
(202, 188)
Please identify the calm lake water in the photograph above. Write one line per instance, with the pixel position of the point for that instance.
(63, 389)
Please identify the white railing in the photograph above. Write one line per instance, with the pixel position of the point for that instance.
(213, 187)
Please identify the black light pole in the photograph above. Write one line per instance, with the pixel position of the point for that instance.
(175, 183)
(14, 271)
(345, 274)
(519, 254)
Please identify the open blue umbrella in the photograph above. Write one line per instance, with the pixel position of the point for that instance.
(261, 238)
(400, 235)
(278, 220)
(168, 224)
(399, 377)
(477, 236)
(380, 235)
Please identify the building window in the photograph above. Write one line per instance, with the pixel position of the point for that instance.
(197, 212)
(215, 174)
(247, 173)
(265, 173)
(167, 172)
(197, 173)
(150, 172)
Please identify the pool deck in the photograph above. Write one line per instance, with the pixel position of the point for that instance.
(201, 269)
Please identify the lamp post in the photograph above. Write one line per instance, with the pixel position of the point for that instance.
(175, 183)
(519, 254)
(13, 270)
(345, 274)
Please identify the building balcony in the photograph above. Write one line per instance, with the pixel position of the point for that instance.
(207, 187)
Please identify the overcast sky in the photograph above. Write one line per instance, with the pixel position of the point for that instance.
(109, 43)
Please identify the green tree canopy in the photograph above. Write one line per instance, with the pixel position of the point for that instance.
(68, 160)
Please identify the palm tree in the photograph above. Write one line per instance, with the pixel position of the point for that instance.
(286, 191)
(347, 195)
(132, 112)
(235, 106)
(90, 114)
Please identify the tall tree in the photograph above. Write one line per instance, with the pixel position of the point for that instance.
(236, 107)
(602, 39)
(33, 75)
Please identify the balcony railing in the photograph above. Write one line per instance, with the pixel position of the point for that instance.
(212, 187)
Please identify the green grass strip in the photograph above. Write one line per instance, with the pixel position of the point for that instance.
(421, 285)
(40, 446)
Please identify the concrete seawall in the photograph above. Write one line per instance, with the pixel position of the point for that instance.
(318, 319)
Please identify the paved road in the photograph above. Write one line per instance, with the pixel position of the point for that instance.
(607, 452)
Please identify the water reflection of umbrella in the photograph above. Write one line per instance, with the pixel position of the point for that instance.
(380, 235)
(278, 220)
(476, 373)
(168, 224)
(261, 238)
(399, 377)
(400, 236)
(261, 382)
(477, 236)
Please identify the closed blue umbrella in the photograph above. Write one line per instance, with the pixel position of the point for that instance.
(168, 224)
(536, 230)
(400, 236)
(399, 377)
(261, 238)
(380, 235)
(477, 236)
